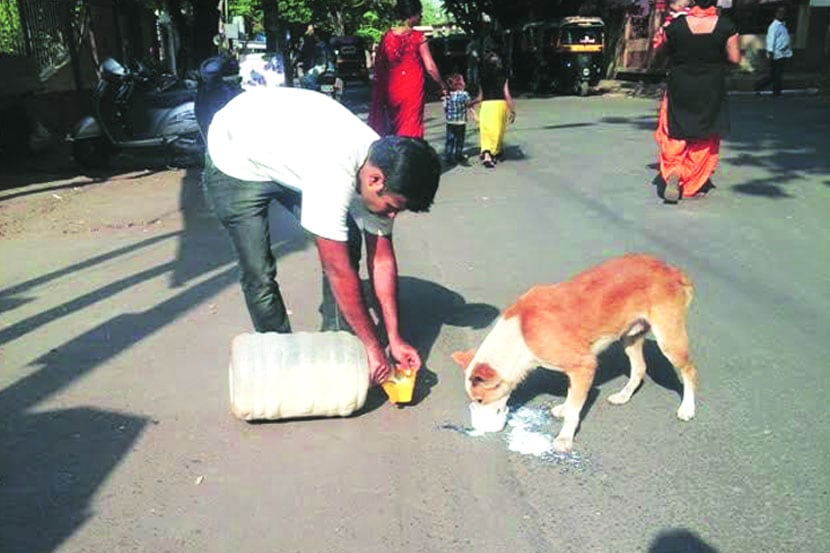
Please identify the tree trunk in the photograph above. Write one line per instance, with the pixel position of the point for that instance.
(274, 38)
(270, 20)
(196, 36)
(205, 27)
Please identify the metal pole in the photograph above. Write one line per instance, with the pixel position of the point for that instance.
(24, 26)
(69, 29)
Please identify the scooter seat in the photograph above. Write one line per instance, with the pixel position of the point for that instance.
(169, 98)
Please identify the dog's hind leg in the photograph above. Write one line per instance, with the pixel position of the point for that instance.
(634, 351)
(580, 379)
(670, 332)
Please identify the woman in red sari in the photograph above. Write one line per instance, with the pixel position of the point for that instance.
(398, 92)
(695, 114)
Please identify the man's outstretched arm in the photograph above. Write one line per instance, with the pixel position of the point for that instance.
(345, 284)
(383, 268)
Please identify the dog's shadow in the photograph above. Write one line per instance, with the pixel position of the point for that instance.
(612, 363)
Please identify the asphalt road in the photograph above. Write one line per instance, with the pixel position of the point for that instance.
(116, 434)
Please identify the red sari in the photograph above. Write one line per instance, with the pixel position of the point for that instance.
(398, 93)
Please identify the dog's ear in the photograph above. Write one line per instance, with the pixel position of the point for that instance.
(463, 358)
(482, 373)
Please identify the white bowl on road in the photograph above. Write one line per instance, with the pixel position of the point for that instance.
(488, 418)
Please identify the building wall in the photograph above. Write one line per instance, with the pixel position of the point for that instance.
(807, 23)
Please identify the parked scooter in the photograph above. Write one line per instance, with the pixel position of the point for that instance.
(136, 110)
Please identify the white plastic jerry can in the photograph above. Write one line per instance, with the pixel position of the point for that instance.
(305, 374)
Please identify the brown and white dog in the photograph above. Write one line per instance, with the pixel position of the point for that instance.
(565, 326)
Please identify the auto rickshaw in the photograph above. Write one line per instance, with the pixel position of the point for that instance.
(563, 55)
(350, 57)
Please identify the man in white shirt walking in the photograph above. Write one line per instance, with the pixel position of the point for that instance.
(311, 154)
(779, 51)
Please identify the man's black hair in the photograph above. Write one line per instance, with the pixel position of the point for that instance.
(705, 3)
(410, 167)
(408, 8)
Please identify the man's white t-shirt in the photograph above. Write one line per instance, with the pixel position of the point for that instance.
(306, 141)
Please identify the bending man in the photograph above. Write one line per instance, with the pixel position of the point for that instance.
(327, 167)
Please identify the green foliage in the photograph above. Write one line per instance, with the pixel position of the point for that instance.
(370, 28)
(11, 32)
(299, 12)
(433, 13)
(365, 18)
(250, 10)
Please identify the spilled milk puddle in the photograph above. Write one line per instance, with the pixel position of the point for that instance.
(530, 430)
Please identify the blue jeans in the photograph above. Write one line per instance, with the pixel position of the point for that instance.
(242, 207)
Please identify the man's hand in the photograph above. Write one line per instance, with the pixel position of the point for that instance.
(406, 355)
(380, 368)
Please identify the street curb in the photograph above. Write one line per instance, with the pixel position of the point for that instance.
(786, 92)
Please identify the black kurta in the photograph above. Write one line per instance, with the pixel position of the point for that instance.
(697, 80)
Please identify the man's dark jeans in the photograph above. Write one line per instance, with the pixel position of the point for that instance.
(242, 207)
(775, 76)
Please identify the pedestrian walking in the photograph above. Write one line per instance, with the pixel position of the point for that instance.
(699, 46)
(307, 152)
(400, 62)
(456, 105)
(779, 51)
(496, 109)
(677, 8)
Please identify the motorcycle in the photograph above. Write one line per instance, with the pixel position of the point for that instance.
(322, 76)
(330, 84)
(135, 109)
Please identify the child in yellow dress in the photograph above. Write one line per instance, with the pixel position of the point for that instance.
(497, 109)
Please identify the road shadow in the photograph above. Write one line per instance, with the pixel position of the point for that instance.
(57, 164)
(784, 138)
(679, 540)
(564, 126)
(54, 462)
(202, 247)
(75, 181)
(425, 307)
(613, 363)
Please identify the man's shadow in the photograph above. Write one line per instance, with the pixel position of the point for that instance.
(424, 307)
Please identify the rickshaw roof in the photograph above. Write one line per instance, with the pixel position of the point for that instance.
(581, 20)
(572, 20)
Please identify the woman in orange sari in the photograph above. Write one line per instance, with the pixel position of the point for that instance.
(398, 92)
(695, 115)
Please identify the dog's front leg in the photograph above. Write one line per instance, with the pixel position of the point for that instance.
(580, 383)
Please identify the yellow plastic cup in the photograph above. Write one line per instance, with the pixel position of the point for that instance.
(399, 386)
